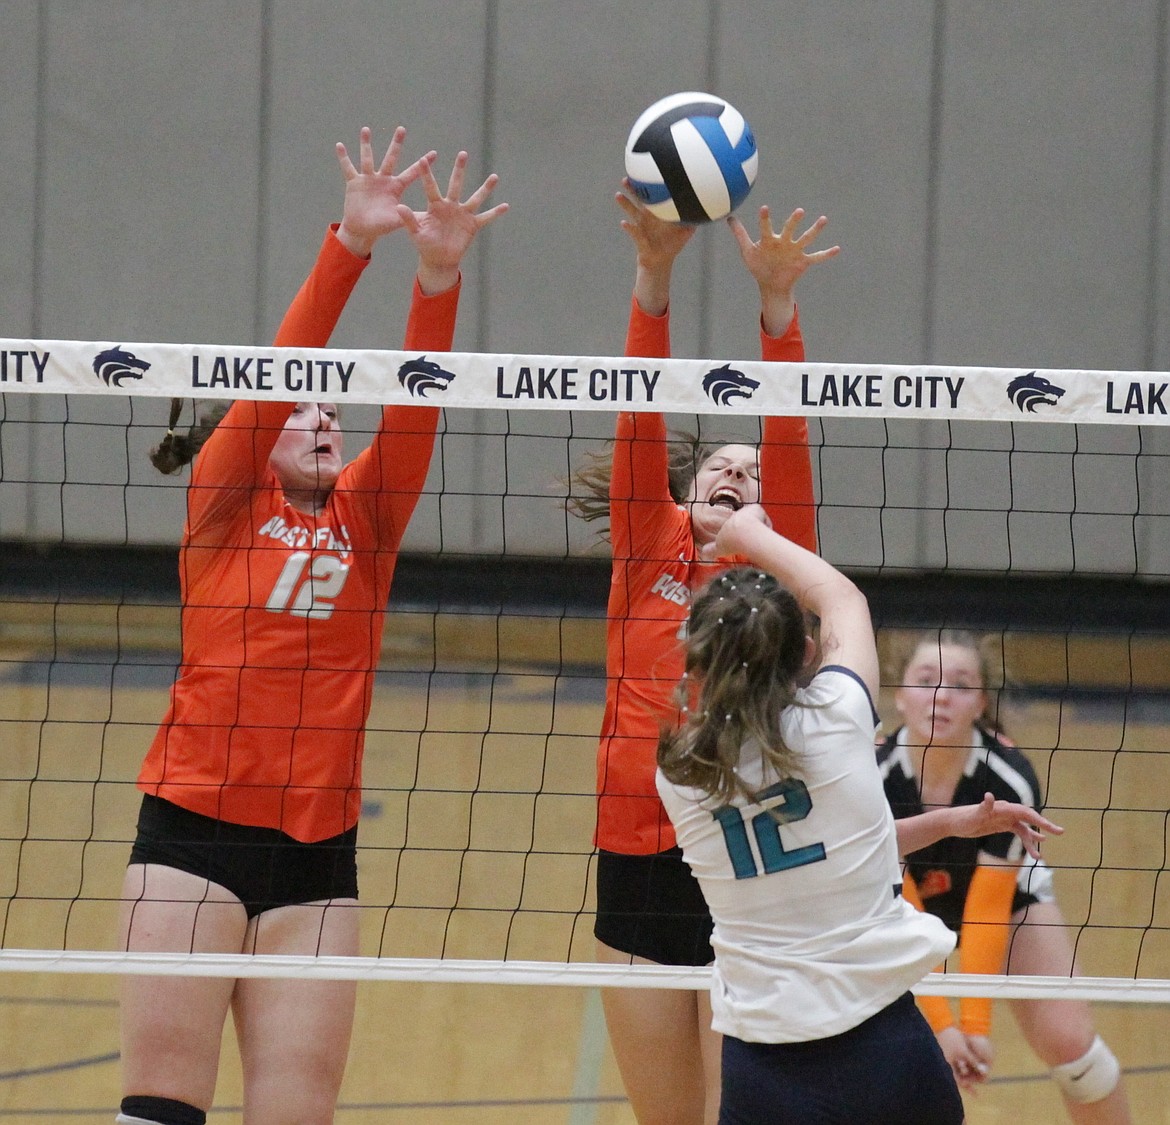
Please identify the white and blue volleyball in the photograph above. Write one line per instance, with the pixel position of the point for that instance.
(691, 158)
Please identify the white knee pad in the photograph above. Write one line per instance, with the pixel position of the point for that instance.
(1091, 1077)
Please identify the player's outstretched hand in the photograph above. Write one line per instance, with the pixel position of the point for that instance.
(658, 242)
(372, 194)
(443, 232)
(778, 261)
(992, 816)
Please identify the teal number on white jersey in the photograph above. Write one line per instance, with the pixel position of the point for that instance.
(794, 804)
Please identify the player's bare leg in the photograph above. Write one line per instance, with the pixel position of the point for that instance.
(294, 1034)
(655, 1036)
(1061, 1032)
(172, 1026)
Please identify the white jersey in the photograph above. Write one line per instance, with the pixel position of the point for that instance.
(811, 935)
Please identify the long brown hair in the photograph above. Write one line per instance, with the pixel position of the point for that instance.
(589, 484)
(179, 449)
(745, 651)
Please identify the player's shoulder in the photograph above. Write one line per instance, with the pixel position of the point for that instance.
(840, 687)
(834, 679)
(893, 762)
(1007, 761)
(997, 744)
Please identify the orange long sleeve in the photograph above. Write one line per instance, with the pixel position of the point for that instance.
(785, 461)
(984, 938)
(936, 1009)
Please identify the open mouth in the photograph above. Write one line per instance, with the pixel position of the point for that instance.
(725, 498)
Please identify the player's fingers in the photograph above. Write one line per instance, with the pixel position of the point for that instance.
(366, 150)
(632, 196)
(1031, 841)
(1042, 824)
(347, 168)
(790, 223)
(491, 215)
(812, 231)
(740, 234)
(766, 231)
(477, 197)
(386, 168)
(628, 205)
(408, 218)
(417, 169)
(430, 184)
(455, 183)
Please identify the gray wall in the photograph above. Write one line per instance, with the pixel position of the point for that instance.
(997, 175)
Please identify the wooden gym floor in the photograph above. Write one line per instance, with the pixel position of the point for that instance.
(475, 842)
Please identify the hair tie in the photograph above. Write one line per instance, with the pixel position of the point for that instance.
(755, 609)
(720, 621)
(727, 717)
(745, 663)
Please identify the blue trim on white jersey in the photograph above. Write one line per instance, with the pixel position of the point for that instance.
(853, 676)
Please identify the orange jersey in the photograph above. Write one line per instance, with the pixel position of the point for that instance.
(283, 611)
(654, 574)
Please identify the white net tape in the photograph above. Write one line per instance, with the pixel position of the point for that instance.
(605, 383)
(578, 975)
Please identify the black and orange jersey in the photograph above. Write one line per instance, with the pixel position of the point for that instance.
(943, 871)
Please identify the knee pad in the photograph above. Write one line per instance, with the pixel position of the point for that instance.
(144, 1110)
(1091, 1077)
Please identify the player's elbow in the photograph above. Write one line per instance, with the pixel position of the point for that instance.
(849, 596)
(836, 598)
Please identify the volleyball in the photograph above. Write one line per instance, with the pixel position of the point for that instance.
(691, 158)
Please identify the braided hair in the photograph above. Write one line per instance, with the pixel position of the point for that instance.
(178, 449)
(745, 651)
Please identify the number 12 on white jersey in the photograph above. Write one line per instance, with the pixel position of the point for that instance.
(794, 804)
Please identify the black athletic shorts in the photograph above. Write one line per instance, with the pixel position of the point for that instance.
(651, 906)
(262, 867)
(888, 1070)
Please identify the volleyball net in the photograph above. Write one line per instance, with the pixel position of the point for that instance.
(1033, 505)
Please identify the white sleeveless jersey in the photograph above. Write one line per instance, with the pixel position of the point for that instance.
(811, 937)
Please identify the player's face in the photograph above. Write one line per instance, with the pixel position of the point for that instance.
(725, 482)
(307, 455)
(941, 695)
